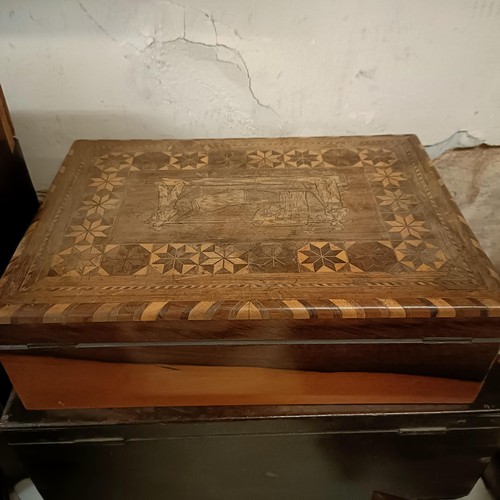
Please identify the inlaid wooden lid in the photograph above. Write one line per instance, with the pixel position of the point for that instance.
(351, 227)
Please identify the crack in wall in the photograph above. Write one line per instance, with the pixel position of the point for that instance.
(216, 46)
(102, 29)
(242, 67)
(99, 26)
(207, 15)
(244, 71)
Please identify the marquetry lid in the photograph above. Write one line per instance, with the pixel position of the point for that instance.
(248, 229)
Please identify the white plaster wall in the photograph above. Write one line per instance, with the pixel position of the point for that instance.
(219, 68)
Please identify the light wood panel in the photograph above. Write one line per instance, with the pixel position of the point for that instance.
(52, 383)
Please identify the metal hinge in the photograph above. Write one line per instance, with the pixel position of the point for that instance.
(447, 340)
(410, 431)
(96, 441)
(50, 346)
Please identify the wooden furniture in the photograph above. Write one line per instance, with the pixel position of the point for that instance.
(270, 453)
(18, 204)
(18, 201)
(250, 272)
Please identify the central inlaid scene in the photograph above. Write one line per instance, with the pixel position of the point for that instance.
(241, 205)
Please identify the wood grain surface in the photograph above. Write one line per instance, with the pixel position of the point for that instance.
(248, 229)
(51, 383)
(7, 132)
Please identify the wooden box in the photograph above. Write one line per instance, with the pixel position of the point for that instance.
(250, 272)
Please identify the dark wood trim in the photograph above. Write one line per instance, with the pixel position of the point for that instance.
(433, 330)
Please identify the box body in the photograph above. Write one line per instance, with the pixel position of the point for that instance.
(280, 265)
